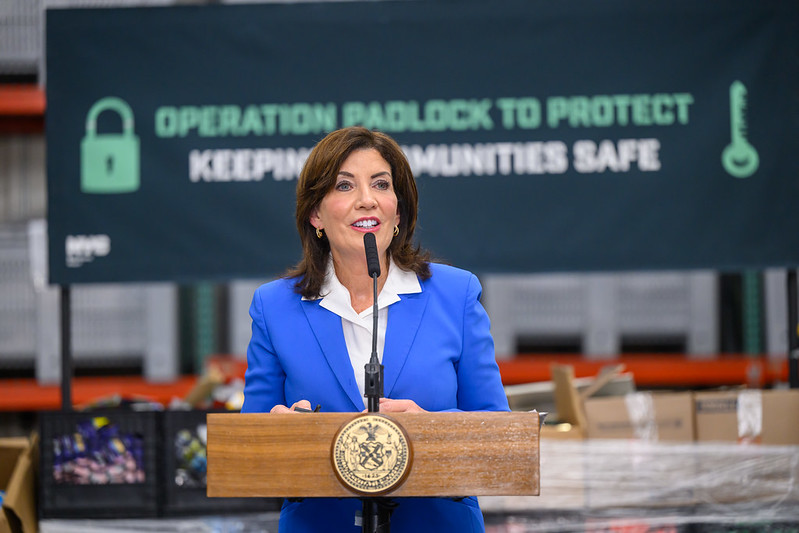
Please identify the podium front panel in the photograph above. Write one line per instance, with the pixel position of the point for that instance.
(454, 454)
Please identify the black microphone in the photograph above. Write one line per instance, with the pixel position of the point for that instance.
(373, 385)
(372, 259)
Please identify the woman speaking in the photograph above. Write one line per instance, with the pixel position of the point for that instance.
(312, 329)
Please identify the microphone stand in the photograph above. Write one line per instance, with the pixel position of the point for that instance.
(373, 385)
(376, 514)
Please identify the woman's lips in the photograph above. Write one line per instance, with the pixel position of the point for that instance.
(366, 224)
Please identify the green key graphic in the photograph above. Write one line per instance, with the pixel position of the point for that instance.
(739, 158)
(109, 161)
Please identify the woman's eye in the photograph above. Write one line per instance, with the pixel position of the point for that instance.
(382, 185)
(343, 186)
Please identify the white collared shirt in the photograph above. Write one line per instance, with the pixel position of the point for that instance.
(357, 327)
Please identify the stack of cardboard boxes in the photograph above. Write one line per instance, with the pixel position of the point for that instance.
(744, 416)
(733, 415)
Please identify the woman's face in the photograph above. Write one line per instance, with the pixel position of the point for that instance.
(362, 201)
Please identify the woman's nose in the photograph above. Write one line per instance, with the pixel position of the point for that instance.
(366, 198)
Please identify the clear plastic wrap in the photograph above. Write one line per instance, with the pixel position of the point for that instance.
(608, 486)
(615, 485)
(244, 523)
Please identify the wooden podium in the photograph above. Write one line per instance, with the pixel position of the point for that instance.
(453, 454)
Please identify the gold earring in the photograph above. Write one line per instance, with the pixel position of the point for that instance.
(396, 230)
(318, 233)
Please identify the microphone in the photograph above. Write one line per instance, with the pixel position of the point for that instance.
(372, 259)
(373, 384)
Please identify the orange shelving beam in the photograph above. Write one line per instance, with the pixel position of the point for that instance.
(648, 370)
(655, 370)
(22, 100)
(22, 108)
(28, 395)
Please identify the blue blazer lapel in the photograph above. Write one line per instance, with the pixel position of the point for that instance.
(404, 319)
(327, 329)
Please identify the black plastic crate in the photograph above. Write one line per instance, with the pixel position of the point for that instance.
(183, 457)
(98, 464)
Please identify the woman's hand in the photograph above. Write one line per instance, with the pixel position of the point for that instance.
(305, 404)
(387, 405)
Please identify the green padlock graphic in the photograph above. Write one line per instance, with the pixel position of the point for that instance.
(109, 161)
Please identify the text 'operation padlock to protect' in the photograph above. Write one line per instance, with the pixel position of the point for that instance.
(109, 161)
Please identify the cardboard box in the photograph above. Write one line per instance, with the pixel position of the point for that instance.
(753, 416)
(753, 474)
(18, 460)
(547, 395)
(641, 415)
(569, 394)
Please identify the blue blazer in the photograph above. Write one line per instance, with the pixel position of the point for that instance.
(438, 352)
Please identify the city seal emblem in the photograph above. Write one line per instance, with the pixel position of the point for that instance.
(371, 454)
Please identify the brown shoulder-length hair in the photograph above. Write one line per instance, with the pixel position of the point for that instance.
(318, 177)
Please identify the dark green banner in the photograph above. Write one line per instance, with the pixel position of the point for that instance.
(545, 136)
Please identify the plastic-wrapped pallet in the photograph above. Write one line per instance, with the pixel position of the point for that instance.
(591, 485)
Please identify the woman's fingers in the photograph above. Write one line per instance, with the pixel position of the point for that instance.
(303, 404)
(387, 405)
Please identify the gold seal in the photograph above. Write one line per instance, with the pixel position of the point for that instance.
(371, 454)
